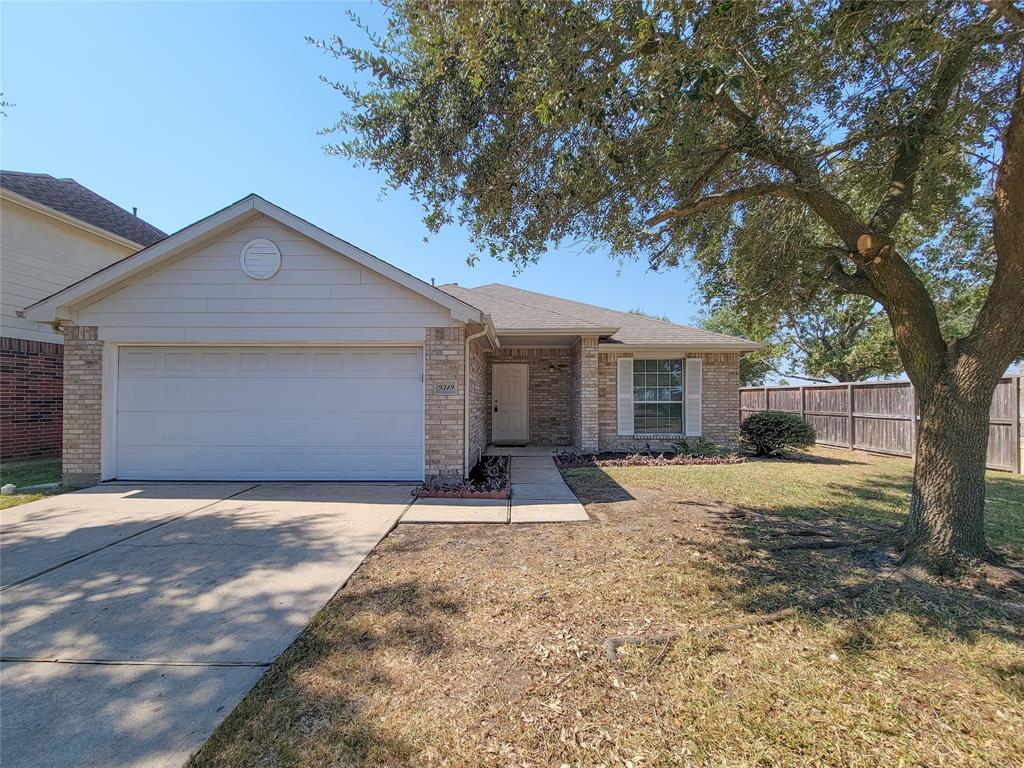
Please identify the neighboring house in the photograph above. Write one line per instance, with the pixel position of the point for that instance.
(254, 345)
(53, 232)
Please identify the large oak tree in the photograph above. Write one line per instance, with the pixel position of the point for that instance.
(775, 147)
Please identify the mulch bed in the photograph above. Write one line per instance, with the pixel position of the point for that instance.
(573, 461)
(489, 479)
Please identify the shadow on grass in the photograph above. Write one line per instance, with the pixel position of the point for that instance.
(813, 458)
(774, 557)
(315, 692)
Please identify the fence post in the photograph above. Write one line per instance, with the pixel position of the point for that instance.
(1018, 455)
(849, 415)
(803, 406)
(914, 407)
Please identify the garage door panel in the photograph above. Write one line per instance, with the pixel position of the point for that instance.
(273, 463)
(257, 394)
(356, 362)
(184, 428)
(270, 413)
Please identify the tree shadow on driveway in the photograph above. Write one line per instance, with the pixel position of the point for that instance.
(183, 617)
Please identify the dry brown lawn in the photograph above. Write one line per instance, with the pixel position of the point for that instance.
(482, 645)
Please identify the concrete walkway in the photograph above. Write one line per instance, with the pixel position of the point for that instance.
(539, 495)
(136, 616)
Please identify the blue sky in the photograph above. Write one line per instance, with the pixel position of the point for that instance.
(182, 108)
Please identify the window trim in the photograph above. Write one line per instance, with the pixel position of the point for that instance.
(681, 402)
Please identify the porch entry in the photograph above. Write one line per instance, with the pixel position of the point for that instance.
(510, 384)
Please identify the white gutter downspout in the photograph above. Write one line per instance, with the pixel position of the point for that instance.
(465, 403)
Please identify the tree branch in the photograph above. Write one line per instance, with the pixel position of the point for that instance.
(1000, 317)
(856, 282)
(702, 180)
(948, 73)
(1009, 11)
(729, 197)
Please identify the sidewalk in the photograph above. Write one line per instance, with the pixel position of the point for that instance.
(539, 495)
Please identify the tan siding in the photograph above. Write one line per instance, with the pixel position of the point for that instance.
(318, 295)
(40, 256)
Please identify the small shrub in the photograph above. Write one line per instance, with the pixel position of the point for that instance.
(772, 433)
(490, 475)
(700, 447)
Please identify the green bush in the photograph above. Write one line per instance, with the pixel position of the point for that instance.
(700, 447)
(772, 433)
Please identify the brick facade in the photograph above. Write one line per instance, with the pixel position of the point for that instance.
(720, 403)
(585, 419)
(83, 385)
(549, 407)
(479, 393)
(444, 360)
(572, 400)
(31, 394)
(721, 412)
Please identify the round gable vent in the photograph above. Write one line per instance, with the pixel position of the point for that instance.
(261, 259)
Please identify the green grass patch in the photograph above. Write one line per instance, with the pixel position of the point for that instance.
(28, 472)
(841, 484)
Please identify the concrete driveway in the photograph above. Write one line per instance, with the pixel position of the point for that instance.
(136, 616)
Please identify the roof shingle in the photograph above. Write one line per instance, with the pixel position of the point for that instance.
(514, 309)
(72, 199)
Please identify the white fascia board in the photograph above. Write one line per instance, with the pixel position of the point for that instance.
(64, 218)
(57, 306)
(492, 335)
(460, 310)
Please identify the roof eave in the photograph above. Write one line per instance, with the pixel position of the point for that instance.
(575, 331)
(686, 346)
(55, 306)
(65, 218)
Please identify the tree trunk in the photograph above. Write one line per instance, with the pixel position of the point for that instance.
(945, 527)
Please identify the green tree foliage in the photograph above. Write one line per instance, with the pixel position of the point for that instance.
(755, 367)
(844, 338)
(780, 149)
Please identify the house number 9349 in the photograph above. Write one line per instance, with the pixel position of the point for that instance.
(446, 388)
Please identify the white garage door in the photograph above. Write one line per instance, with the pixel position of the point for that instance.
(270, 413)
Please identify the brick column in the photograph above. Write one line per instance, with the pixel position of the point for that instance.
(83, 386)
(720, 417)
(444, 361)
(586, 420)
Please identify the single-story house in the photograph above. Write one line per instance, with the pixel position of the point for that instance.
(53, 232)
(254, 345)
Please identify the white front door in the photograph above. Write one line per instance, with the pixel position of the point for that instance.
(510, 416)
(269, 413)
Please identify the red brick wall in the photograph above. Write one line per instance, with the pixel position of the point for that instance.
(31, 397)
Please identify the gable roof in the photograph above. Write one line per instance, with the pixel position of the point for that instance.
(518, 310)
(69, 197)
(54, 307)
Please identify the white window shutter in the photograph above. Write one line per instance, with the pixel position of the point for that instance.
(694, 396)
(625, 396)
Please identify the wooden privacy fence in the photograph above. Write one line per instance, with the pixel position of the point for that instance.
(882, 416)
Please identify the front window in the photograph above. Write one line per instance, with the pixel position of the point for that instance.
(658, 397)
